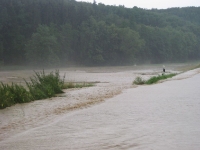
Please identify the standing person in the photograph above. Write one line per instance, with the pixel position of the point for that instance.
(163, 69)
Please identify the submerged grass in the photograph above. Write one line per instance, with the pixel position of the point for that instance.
(152, 80)
(77, 85)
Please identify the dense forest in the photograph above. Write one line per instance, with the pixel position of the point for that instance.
(55, 32)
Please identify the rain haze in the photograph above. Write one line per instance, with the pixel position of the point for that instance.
(104, 93)
(149, 4)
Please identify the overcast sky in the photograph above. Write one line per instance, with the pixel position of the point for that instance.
(149, 4)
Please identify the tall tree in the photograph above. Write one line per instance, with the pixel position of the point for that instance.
(43, 47)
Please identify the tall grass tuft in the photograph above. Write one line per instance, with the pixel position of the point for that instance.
(44, 86)
(12, 94)
(40, 86)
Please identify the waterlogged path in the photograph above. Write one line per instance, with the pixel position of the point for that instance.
(160, 116)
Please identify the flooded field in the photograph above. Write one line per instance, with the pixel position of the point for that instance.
(114, 114)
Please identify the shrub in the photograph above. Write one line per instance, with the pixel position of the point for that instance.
(20, 94)
(12, 94)
(44, 86)
(139, 81)
(40, 86)
(6, 97)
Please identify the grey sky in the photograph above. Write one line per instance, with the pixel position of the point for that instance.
(159, 4)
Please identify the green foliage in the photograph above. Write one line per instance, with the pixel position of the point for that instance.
(40, 86)
(43, 86)
(43, 44)
(139, 81)
(53, 32)
(12, 94)
(155, 79)
(108, 44)
(152, 80)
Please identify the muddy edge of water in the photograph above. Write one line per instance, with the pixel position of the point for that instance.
(112, 81)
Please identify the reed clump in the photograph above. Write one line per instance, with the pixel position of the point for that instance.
(40, 86)
(43, 86)
(12, 94)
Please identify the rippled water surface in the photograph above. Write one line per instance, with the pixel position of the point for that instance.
(162, 116)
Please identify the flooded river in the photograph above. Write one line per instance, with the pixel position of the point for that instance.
(162, 116)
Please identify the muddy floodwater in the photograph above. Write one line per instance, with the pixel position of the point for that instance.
(112, 115)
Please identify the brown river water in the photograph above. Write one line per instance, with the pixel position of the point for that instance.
(113, 115)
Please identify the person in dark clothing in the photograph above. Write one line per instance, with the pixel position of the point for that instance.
(163, 69)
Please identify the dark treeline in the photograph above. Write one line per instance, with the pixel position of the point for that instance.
(53, 32)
